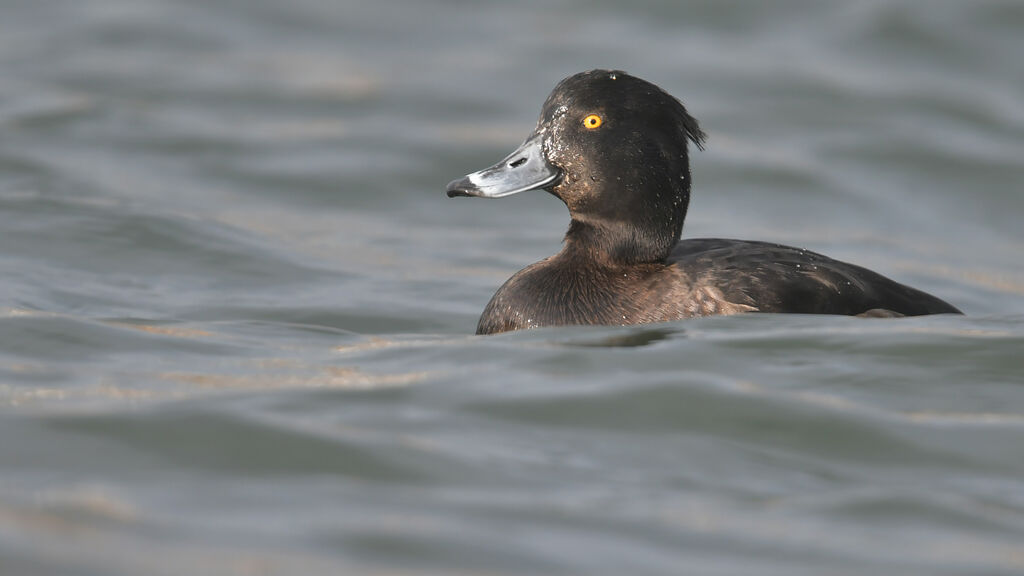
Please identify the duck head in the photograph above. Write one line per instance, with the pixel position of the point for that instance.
(613, 147)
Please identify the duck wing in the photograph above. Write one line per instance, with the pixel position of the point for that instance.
(776, 278)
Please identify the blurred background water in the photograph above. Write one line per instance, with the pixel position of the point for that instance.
(236, 308)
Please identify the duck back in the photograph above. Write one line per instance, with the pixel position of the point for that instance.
(776, 278)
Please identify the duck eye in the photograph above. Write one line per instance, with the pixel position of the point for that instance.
(592, 121)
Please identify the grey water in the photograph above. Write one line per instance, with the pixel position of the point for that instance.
(237, 309)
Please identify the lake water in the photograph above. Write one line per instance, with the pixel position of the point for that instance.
(237, 309)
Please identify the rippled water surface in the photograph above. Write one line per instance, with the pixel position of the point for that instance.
(236, 308)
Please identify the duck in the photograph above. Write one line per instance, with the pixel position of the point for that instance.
(615, 149)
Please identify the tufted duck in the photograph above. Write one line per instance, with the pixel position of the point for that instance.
(613, 147)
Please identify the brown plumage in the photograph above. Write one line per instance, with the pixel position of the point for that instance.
(626, 182)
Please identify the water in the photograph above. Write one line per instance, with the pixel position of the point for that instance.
(236, 311)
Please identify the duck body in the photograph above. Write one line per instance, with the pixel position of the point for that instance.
(701, 277)
(614, 149)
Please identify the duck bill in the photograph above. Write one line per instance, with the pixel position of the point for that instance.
(525, 169)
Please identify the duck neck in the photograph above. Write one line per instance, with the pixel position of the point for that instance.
(652, 229)
(616, 244)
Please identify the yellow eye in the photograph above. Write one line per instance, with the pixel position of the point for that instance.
(592, 121)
